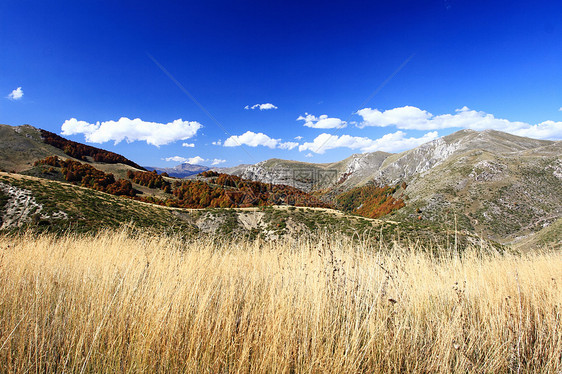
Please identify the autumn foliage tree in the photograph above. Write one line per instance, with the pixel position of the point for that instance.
(220, 191)
(149, 179)
(86, 175)
(82, 151)
(370, 201)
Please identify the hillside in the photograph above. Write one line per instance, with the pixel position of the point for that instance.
(502, 186)
(53, 206)
(21, 146)
(503, 196)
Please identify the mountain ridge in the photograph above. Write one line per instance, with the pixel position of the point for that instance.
(180, 171)
(504, 187)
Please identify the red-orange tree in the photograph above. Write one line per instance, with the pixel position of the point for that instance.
(86, 175)
(81, 151)
(369, 201)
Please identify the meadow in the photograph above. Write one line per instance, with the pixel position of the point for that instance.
(120, 301)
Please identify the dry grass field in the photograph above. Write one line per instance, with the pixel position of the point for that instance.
(119, 302)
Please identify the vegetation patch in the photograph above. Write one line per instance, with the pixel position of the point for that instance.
(370, 201)
(82, 152)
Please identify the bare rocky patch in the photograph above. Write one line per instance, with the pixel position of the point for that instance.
(21, 207)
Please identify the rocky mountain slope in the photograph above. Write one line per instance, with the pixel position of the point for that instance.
(502, 186)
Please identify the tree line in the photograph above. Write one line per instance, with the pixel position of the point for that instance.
(86, 175)
(81, 151)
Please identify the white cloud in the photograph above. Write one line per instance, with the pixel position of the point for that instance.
(397, 141)
(188, 145)
(131, 130)
(322, 122)
(309, 155)
(392, 142)
(176, 159)
(324, 142)
(298, 137)
(217, 161)
(543, 130)
(412, 118)
(251, 139)
(288, 145)
(266, 106)
(197, 160)
(16, 94)
(407, 117)
(218, 142)
(560, 109)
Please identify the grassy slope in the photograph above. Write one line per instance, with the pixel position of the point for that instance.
(91, 210)
(19, 149)
(21, 146)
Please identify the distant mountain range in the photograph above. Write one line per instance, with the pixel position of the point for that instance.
(180, 171)
(187, 170)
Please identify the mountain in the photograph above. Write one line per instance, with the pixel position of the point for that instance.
(412, 163)
(180, 171)
(502, 186)
(499, 185)
(491, 184)
(310, 176)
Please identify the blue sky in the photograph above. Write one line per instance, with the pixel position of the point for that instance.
(361, 75)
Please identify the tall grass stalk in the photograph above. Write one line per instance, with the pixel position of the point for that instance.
(122, 302)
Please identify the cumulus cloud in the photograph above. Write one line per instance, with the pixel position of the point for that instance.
(322, 122)
(309, 155)
(218, 142)
(543, 130)
(397, 141)
(393, 142)
(413, 118)
(131, 130)
(251, 139)
(176, 159)
(188, 145)
(217, 161)
(266, 106)
(197, 160)
(16, 94)
(298, 137)
(288, 145)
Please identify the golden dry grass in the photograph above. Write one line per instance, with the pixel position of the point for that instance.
(119, 302)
